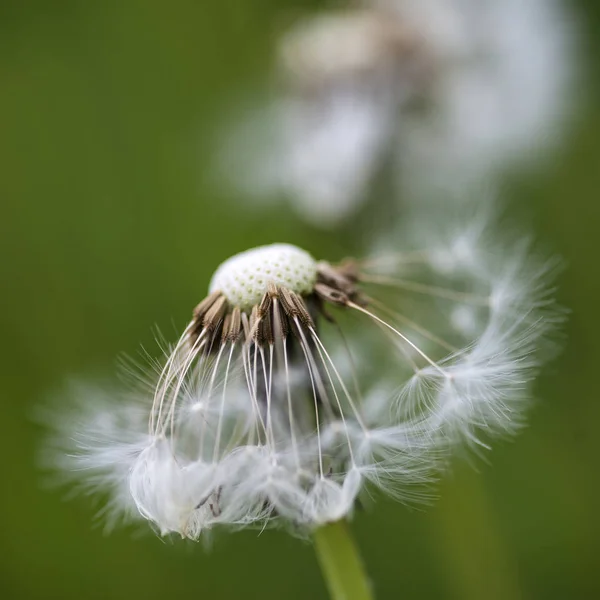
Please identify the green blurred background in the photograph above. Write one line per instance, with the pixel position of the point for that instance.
(107, 112)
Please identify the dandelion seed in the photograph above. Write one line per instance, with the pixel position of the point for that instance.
(298, 384)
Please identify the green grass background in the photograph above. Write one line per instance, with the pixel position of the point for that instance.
(108, 226)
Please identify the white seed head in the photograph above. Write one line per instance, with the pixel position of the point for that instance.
(342, 45)
(269, 410)
(243, 278)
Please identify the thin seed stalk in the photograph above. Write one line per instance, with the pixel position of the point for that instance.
(341, 564)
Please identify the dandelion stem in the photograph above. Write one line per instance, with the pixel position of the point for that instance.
(341, 565)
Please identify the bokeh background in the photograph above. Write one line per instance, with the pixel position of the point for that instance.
(109, 225)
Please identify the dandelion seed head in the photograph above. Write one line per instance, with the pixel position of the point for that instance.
(243, 278)
(346, 46)
(299, 385)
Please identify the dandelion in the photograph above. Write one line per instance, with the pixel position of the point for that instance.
(300, 385)
(442, 91)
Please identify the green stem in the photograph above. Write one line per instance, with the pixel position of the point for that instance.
(341, 564)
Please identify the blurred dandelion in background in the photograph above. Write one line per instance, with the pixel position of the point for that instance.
(436, 93)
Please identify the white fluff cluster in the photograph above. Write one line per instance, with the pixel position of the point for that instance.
(439, 351)
(445, 91)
